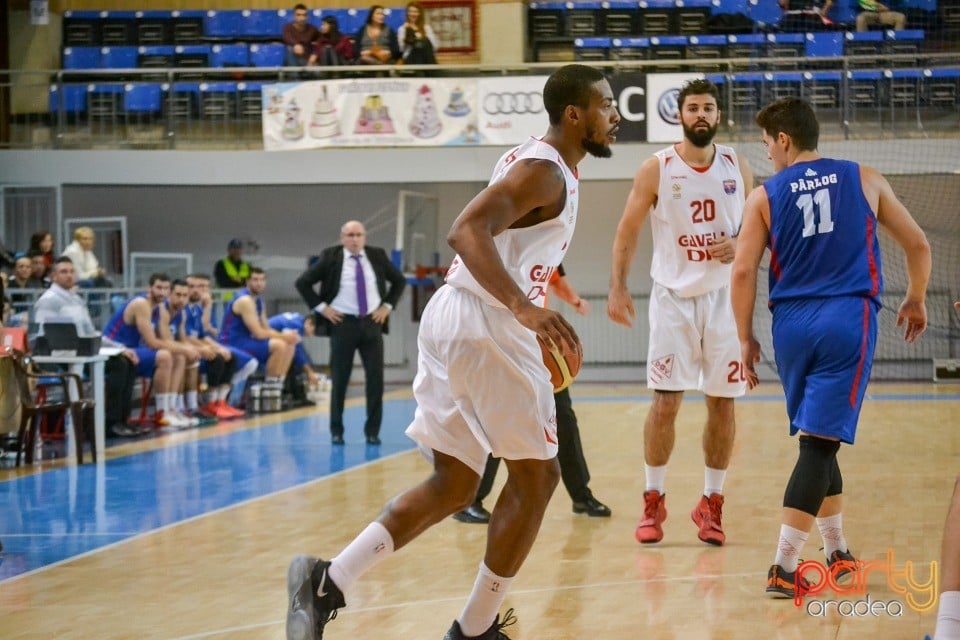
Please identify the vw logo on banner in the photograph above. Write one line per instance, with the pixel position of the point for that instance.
(662, 100)
(511, 109)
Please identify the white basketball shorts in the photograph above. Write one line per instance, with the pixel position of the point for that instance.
(481, 385)
(694, 344)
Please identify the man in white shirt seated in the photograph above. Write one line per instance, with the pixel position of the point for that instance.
(60, 303)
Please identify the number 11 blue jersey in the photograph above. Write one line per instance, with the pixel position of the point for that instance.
(823, 233)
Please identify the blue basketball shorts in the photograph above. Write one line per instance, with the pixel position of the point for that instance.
(824, 353)
(259, 349)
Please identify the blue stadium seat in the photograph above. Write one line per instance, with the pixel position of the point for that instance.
(267, 55)
(863, 88)
(154, 28)
(781, 84)
(81, 58)
(545, 19)
(745, 91)
(669, 49)
(71, 98)
(785, 45)
(314, 17)
(141, 98)
(394, 16)
(155, 56)
(350, 20)
(229, 55)
(821, 89)
(906, 42)
(903, 87)
(218, 100)
(630, 48)
(620, 18)
(250, 100)
(729, 6)
(591, 49)
(104, 100)
(844, 13)
(187, 26)
(193, 55)
(823, 44)
(261, 24)
(118, 28)
(118, 58)
(863, 43)
(181, 100)
(657, 17)
(705, 48)
(942, 87)
(745, 45)
(765, 13)
(222, 25)
(691, 17)
(584, 19)
(81, 28)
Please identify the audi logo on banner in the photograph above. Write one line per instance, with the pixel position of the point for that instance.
(513, 103)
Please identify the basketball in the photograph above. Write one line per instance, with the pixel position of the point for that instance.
(563, 366)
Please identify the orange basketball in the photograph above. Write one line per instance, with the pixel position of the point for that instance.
(563, 366)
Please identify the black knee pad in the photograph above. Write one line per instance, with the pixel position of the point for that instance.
(812, 476)
(836, 480)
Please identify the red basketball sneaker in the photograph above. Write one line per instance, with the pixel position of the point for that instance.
(706, 515)
(654, 513)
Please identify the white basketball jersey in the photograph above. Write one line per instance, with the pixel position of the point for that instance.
(532, 254)
(694, 209)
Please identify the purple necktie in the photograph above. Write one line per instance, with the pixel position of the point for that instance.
(361, 288)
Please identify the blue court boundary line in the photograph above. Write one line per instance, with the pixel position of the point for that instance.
(877, 397)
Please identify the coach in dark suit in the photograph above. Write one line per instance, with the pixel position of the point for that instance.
(359, 287)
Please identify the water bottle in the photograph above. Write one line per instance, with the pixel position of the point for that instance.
(254, 398)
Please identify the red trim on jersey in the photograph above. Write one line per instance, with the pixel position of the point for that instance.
(863, 354)
(728, 157)
(701, 169)
(667, 160)
(774, 263)
(871, 259)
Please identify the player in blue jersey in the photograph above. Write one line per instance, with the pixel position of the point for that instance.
(245, 327)
(819, 218)
(302, 326)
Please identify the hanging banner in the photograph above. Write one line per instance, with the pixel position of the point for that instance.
(382, 112)
(663, 114)
(510, 110)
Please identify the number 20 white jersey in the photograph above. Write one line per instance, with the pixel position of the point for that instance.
(532, 254)
(694, 209)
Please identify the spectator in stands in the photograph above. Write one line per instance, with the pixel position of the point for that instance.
(80, 251)
(299, 37)
(135, 325)
(805, 15)
(231, 271)
(332, 48)
(60, 303)
(42, 242)
(873, 13)
(22, 278)
(39, 269)
(376, 40)
(416, 37)
(245, 327)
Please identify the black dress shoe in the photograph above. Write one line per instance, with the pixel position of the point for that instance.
(336, 440)
(373, 440)
(474, 514)
(592, 507)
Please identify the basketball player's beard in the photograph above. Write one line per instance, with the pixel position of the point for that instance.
(700, 138)
(596, 149)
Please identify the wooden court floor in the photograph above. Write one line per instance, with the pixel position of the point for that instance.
(221, 575)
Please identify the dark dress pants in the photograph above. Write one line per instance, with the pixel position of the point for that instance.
(120, 375)
(352, 335)
(573, 466)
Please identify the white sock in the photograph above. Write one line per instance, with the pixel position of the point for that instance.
(370, 547)
(948, 618)
(222, 393)
(789, 547)
(481, 609)
(831, 530)
(191, 399)
(164, 401)
(178, 403)
(713, 481)
(247, 371)
(656, 477)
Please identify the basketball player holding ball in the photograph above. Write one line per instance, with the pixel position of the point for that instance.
(694, 192)
(481, 386)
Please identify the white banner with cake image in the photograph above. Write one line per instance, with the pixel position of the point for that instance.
(382, 112)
